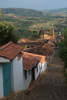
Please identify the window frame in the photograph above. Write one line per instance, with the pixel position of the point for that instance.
(25, 73)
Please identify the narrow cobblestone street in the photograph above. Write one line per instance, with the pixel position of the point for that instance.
(51, 87)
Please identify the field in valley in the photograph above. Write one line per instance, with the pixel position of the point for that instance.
(26, 26)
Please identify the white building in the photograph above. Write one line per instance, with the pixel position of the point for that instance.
(18, 69)
(33, 66)
(11, 69)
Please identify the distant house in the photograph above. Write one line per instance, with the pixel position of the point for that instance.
(23, 40)
(43, 50)
(60, 37)
(11, 69)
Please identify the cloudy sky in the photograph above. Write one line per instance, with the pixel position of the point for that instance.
(34, 4)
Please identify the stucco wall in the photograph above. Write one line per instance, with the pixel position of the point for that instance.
(40, 69)
(43, 68)
(17, 75)
(28, 80)
(37, 73)
(1, 81)
(2, 60)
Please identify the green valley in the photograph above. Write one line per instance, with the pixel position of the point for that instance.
(27, 22)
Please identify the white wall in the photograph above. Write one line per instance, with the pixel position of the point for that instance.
(40, 69)
(28, 80)
(37, 73)
(1, 81)
(17, 75)
(2, 60)
(44, 66)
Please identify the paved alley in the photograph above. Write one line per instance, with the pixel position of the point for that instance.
(52, 86)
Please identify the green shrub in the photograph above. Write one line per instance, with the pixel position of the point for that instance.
(25, 46)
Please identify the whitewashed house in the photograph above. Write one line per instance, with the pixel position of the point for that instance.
(18, 69)
(11, 69)
(33, 65)
(28, 65)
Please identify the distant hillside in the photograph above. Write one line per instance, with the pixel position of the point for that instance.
(27, 22)
(23, 12)
(62, 10)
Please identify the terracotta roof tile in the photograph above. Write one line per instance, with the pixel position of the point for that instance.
(28, 63)
(10, 50)
(30, 59)
(44, 50)
(4, 46)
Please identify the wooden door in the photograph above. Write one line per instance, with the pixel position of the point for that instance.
(33, 74)
(6, 78)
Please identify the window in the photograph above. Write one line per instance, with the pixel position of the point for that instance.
(41, 65)
(37, 69)
(29, 72)
(25, 73)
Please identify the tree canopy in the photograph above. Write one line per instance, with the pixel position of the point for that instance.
(7, 33)
(65, 34)
(63, 48)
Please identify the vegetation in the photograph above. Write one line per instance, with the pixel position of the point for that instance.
(25, 46)
(23, 12)
(63, 51)
(26, 21)
(63, 48)
(62, 10)
(6, 33)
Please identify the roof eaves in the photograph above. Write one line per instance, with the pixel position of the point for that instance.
(6, 45)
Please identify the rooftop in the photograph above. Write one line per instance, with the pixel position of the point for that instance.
(24, 40)
(44, 50)
(10, 50)
(30, 59)
(28, 63)
(29, 40)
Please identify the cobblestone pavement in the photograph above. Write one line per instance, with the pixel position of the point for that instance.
(52, 86)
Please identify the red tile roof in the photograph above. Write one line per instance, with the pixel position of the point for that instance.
(28, 63)
(44, 50)
(51, 42)
(29, 59)
(10, 50)
(27, 40)
(23, 40)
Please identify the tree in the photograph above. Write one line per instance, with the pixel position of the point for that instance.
(65, 33)
(35, 34)
(63, 48)
(7, 33)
